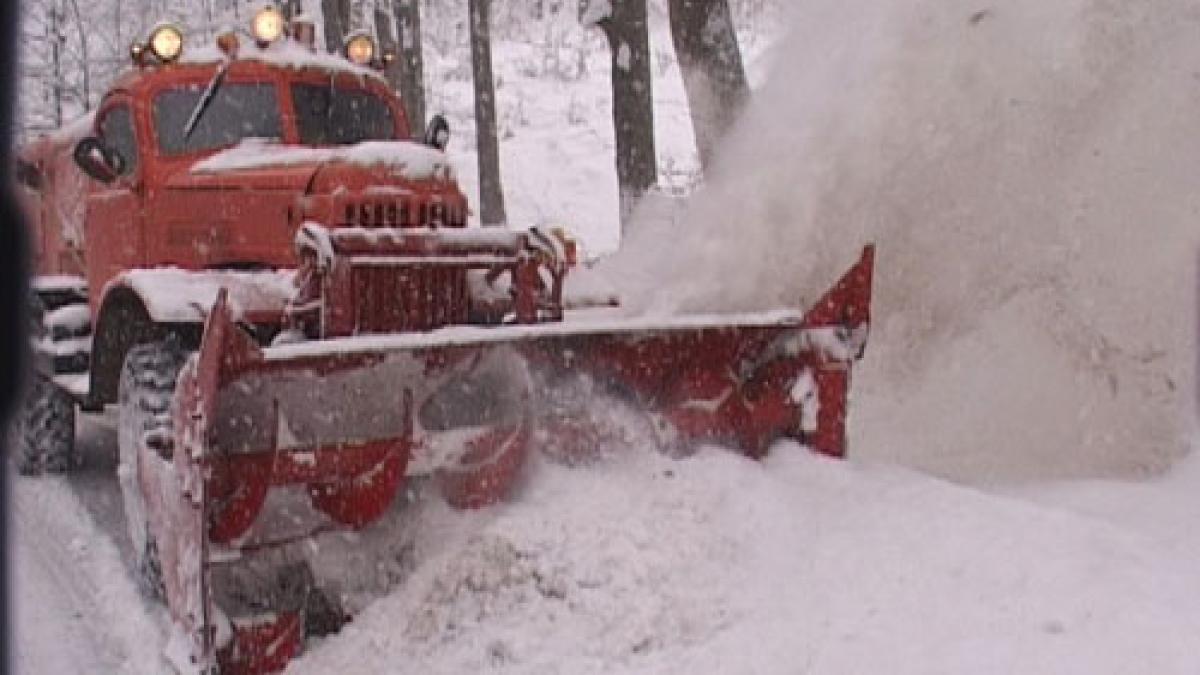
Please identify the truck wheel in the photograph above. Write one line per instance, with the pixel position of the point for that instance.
(45, 429)
(145, 392)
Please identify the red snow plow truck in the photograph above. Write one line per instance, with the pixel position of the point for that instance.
(246, 252)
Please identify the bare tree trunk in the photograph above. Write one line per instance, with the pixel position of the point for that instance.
(491, 191)
(337, 23)
(406, 73)
(208, 20)
(713, 73)
(412, 61)
(56, 40)
(85, 60)
(118, 24)
(358, 14)
(291, 8)
(625, 26)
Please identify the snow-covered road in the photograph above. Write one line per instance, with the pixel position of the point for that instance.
(713, 563)
(77, 608)
(58, 626)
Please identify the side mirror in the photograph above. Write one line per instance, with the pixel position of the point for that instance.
(437, 134)
(98, 160)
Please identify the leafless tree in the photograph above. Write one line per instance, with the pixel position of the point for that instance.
(406, 73)
(624, 24)
(291, 8)
(82, 30)
(337, 23)
(491, 190)
(711, 62)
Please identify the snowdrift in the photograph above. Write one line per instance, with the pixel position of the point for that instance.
(1027, 169)
(718, 564)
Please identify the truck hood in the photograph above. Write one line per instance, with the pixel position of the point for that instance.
(294, 178)
(270, 166)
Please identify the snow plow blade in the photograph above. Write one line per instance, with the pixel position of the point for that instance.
(344, 422)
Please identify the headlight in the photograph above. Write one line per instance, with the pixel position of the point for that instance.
(360, 49)
(267, 25)
(166, 42)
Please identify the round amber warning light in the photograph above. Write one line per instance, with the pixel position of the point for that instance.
(167, 43)
(267, 25)
(360, 49)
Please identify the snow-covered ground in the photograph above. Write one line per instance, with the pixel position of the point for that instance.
(1027, 171)
(718, 564)
(77, 605)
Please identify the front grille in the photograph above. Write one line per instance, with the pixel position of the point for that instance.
(412, 213)
(418, 298)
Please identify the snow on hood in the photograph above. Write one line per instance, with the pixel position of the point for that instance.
(294, 178)
(412, 161)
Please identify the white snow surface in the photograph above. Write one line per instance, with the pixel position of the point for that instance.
(640, 563)
(77, 609)
(177, 295)
(413, 161)
(718, 564)
(593, 12)
(59, 282)
(70, 317)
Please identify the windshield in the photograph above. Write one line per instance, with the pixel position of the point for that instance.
(236, 112)
(328, 115)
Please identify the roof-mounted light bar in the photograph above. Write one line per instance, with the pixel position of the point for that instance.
(267, 26)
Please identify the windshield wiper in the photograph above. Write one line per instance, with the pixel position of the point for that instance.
(205, 99)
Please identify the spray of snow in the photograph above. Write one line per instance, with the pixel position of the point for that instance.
(1027, 173)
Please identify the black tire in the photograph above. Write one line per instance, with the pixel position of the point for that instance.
(145, 392)
(45, 429)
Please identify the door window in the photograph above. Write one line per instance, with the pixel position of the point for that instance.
(116, 129)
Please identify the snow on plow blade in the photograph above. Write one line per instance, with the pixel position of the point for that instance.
(344, 422)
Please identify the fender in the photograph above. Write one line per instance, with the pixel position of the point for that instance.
(145, 305)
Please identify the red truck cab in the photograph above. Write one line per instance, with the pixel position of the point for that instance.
(203, 166)
(173, 203)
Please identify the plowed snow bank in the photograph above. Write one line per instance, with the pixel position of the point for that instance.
(1028, 171)
(717, 564)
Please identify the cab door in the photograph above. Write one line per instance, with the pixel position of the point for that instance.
(114, 223)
